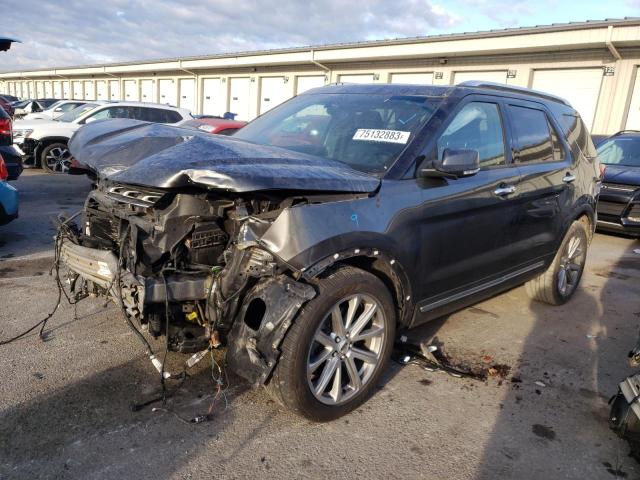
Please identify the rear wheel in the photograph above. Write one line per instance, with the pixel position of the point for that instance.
(334, 354)
(55, 158)
(559, 282)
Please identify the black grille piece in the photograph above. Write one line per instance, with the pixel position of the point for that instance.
(207, 243)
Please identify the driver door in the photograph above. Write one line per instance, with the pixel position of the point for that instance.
(466, 240)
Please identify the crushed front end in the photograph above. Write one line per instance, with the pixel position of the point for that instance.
(187, 263)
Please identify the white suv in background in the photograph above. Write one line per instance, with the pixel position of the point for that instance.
(44, 142)
(54, 111)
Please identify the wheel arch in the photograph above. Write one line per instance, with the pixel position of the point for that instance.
(379, 263)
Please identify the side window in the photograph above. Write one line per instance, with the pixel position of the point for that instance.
(101, 114)
(531, 135)
(477, 126)
(157, 115)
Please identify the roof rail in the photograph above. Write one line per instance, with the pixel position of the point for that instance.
(513, 89)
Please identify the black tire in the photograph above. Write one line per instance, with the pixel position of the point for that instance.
(546, 287)
(290, 385)
(55, 158)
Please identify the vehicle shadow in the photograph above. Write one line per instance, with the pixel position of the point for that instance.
(555, 423)
(87, 429)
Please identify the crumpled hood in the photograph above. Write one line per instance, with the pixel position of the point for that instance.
(622, 174)
(163, 156)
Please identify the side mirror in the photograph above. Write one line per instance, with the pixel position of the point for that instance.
(90, 119)
(58, 109)
(454, 164)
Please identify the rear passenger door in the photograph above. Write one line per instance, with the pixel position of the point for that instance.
(547, 175)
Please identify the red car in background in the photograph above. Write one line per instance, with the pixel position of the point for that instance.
(217, 125)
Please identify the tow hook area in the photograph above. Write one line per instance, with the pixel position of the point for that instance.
(262, 322)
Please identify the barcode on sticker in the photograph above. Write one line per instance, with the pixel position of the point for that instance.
(373, 135)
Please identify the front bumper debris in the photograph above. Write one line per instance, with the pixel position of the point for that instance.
(98, 266)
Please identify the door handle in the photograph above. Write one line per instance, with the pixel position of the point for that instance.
(504, 190)
(568, 178)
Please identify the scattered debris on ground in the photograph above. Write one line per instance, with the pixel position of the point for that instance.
(433, 358)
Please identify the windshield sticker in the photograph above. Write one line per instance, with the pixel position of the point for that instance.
(374, 135)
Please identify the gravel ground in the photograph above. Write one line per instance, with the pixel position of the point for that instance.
(64, 403)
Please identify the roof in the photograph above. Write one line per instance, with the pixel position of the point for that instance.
(554, 27)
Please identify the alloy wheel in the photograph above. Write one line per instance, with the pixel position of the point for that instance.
(58, 159)
(346, 349)
(571, 265)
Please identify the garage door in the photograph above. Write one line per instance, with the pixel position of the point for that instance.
(212, 99)
(39, 90)
(101, 90)
(272, 93)
(66, 90)
(114, 89)
(146, 91)
(497, 76)
(57, 90)
(48, 90)
(168, 93)
(412, 78)
(130, 91)
(633, 118)
(187, 93)
(89, 94)
(77, 90)
(239, 90)
(364, 78)
(580, 86)
(307, 83)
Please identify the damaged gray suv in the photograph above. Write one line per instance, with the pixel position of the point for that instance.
(304, 242)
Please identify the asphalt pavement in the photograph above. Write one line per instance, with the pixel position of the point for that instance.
(65, 403)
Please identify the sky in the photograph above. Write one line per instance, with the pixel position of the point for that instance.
(83, 32)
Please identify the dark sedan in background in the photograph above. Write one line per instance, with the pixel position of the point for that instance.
(619, 204)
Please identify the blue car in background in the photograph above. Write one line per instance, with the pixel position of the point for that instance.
(8, 196)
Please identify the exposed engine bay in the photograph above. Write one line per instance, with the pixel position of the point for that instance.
(188, 264)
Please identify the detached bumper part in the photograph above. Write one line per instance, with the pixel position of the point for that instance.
(262, 322)
(624, 417)
(99, 266)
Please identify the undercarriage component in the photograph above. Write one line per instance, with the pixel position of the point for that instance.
(262, 322)
(624, 417)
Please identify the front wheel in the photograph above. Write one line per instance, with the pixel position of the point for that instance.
(55, 158)
(559, 282)
(334, 354)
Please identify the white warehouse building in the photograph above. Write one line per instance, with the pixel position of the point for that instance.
(592, 64)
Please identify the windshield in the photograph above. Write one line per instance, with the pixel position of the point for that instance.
(620, 151)
(21, 104)
(71, 115)
(367, 132)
